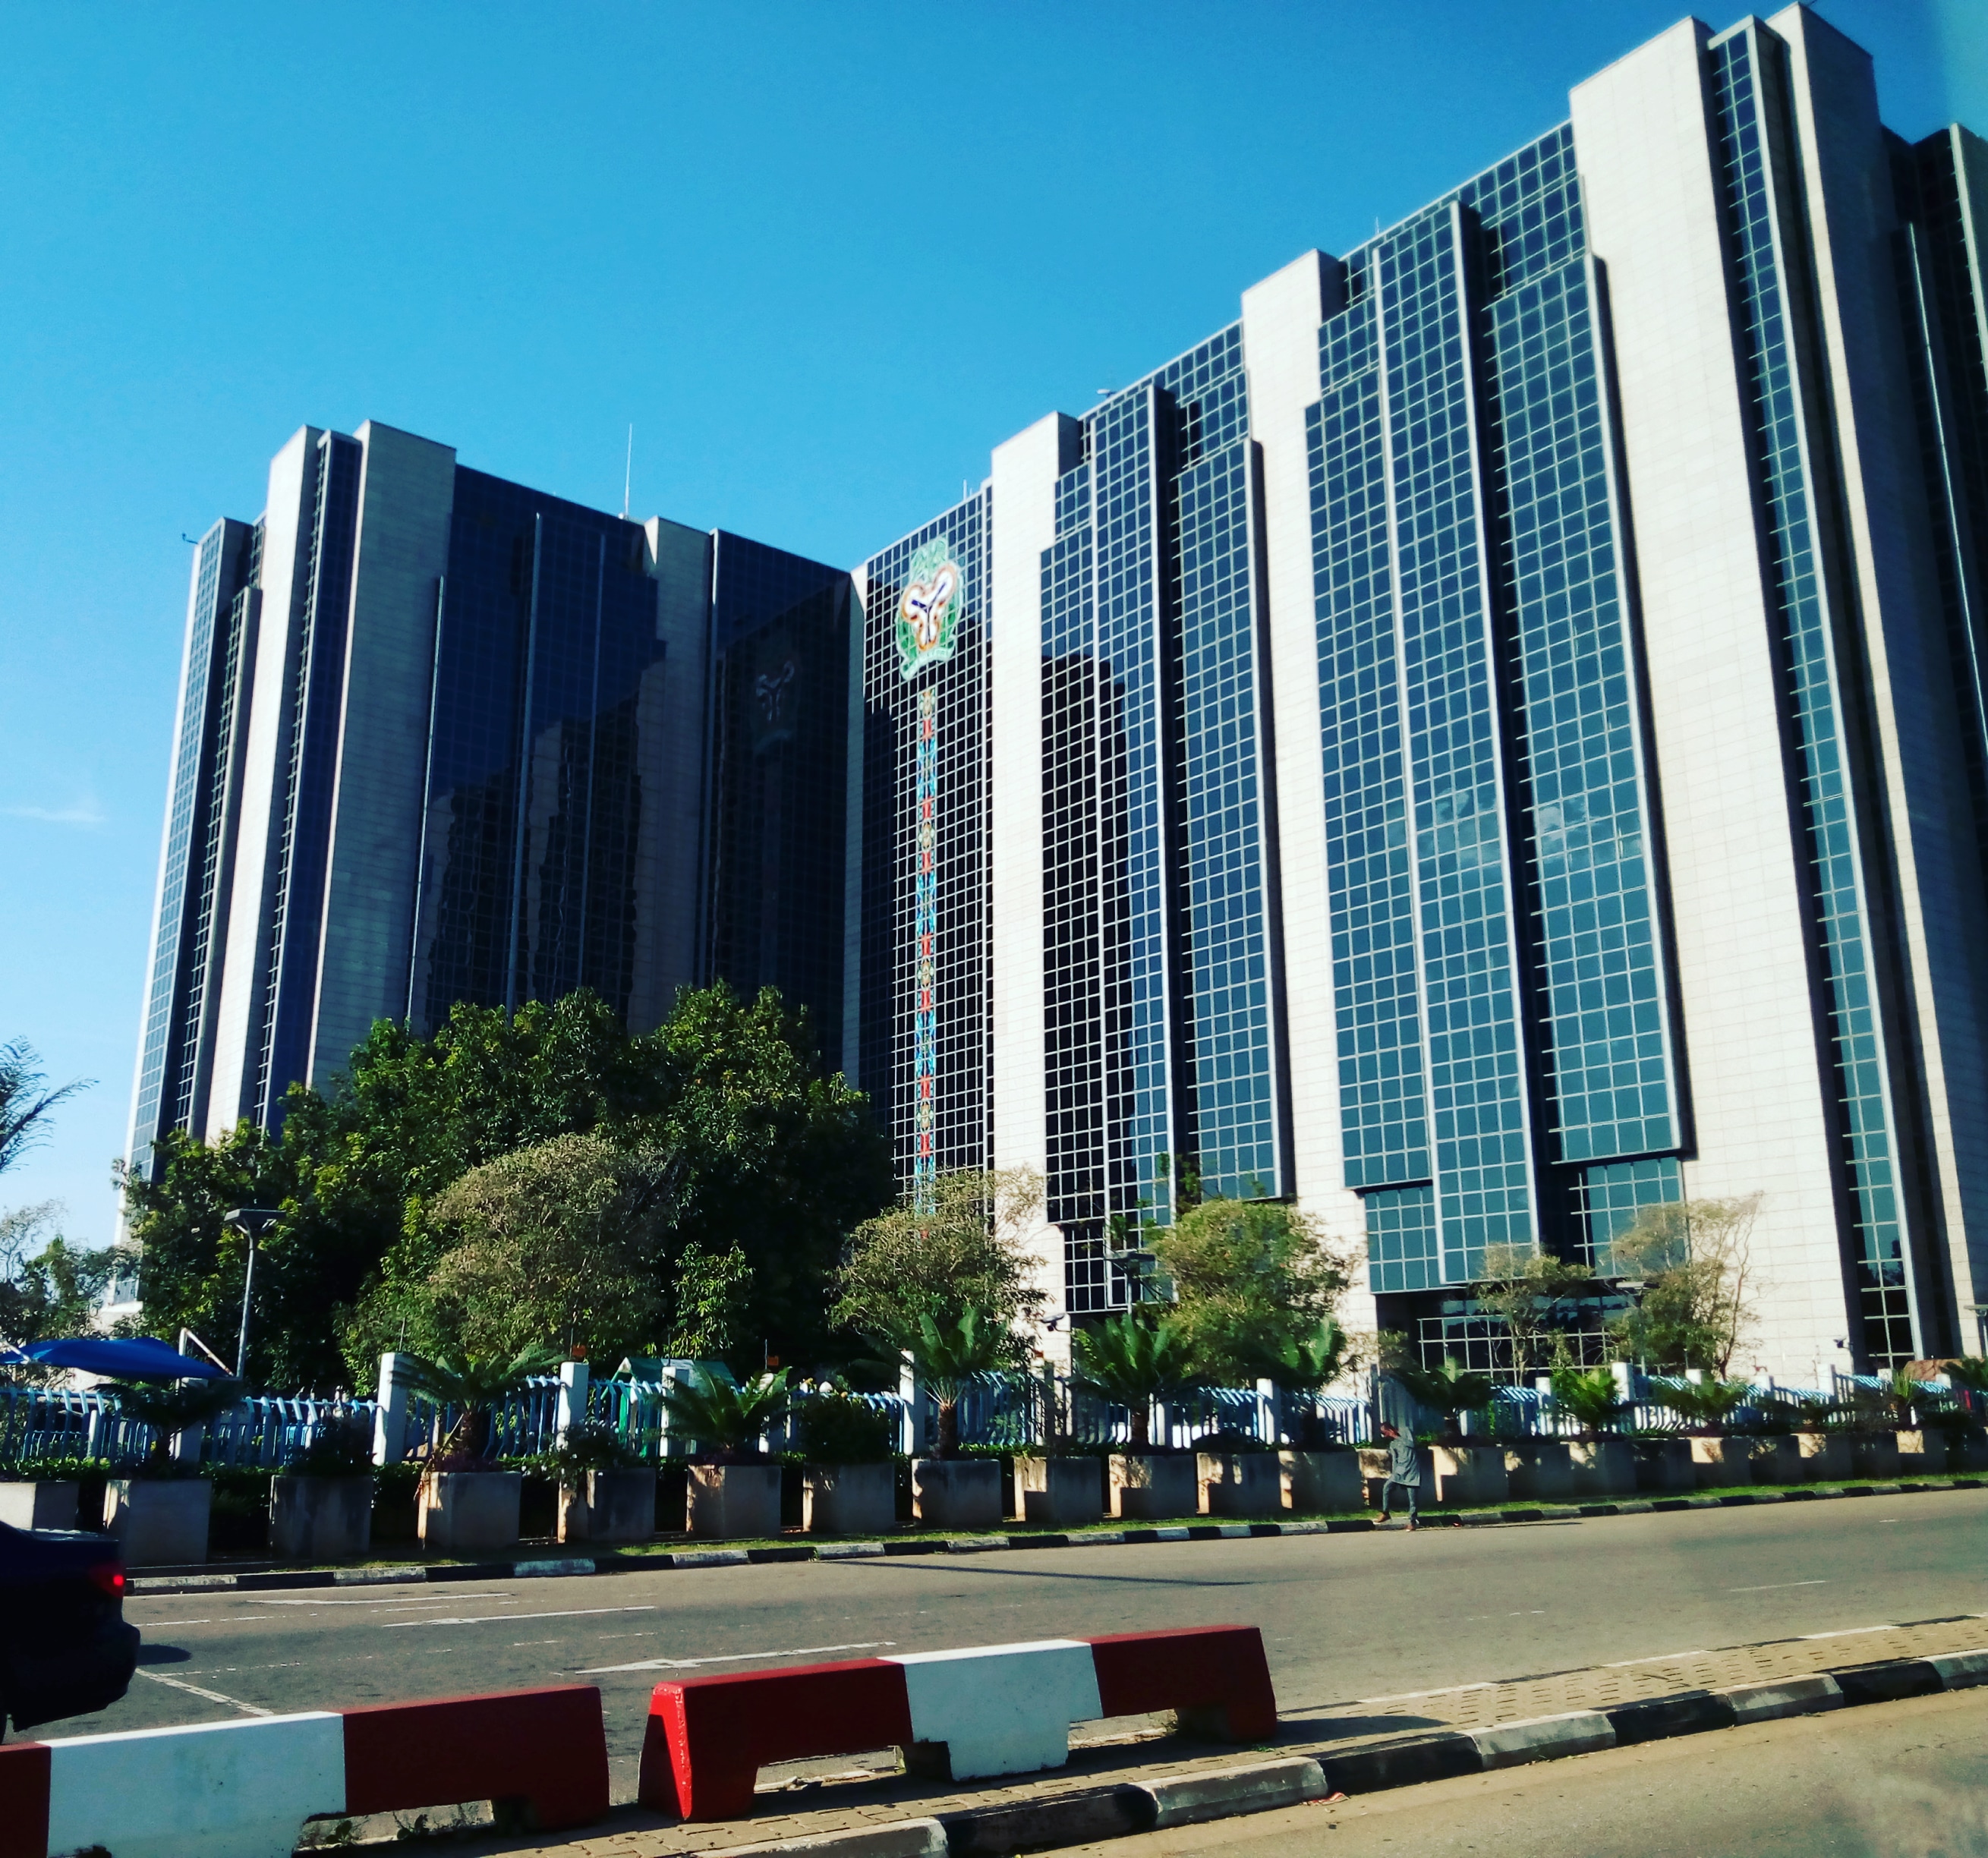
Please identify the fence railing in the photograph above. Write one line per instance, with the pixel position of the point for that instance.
(266, 1431)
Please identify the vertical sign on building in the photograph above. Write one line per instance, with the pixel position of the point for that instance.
(928, 627)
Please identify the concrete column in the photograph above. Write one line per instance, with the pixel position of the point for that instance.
(572, 1408)
(390, 1417)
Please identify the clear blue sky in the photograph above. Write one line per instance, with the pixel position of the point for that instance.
(823, 256)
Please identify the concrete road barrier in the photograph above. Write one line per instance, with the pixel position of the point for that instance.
(245, 1789)
(994, 1709)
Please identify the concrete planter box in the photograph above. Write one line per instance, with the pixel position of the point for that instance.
(1967, 1451)
(1921, 1454)
(159, 1522)
(1470, 1476)
(1541, 1470)
(1320, 1480)
(1875, 1454)
(28, 1505)
(1060, 1493)
(729, 1502)
(1722, 1461)
(957, 1493)
(1825, 1457)
(611, 1506)
(1374, 1474)
(1152, 1486)
(1603, 1468)
(320, 1518)
(849, 1499)
(1238, 1484)
(1776, 1459)
(1664, 1466)
(468, 1512)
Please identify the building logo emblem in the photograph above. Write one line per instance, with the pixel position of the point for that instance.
(929, 609)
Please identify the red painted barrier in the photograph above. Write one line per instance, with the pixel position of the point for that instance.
(708, 1737)
(24, 1801)
(545, 1748)
(1215, 1675)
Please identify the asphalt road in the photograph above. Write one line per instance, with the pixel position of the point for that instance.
(1343, 1616)
(1897, 1779)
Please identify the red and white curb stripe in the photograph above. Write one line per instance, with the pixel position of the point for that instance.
(244, 1790)
(997, 1709)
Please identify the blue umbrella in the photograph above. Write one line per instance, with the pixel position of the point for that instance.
(128, 1358)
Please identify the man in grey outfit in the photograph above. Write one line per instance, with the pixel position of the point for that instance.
(1404, 1472)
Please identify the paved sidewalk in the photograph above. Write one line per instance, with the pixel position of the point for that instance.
(814, 1797)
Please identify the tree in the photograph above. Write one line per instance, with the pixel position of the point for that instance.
(1591, 1396)
(25, 1105)
(475, 1386)
(1132, 1362)
(1708, 1403)
(1250, 1276)
(712, 1305)
(948, 1355)
(1695, 1263)
(172, 1410)
(962, 1252)
(1303, 1364)
(724, 1419)
(48, 1288)
(1528, 1292)
(1449, 1387)
(557, 1243)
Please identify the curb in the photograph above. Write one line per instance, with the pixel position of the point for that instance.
(1090, 1814)
(565, 1566)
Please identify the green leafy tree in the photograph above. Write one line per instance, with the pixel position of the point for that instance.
(949, 1353)
(1449, 1388)
(712, 1305)
(1695, 1262)
(559, 1244)
(1591, 1396)
(48, 1288)
(476, 1387)
(1305, 1364)
(1132, 1362)
(725, 1419)
(1249, 1276)
(963, 1251)
(1534, 1296)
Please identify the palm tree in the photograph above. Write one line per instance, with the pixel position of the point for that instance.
(725, 1419)
(1131, 1363)
(1303, 1364)
(475, 1386)
(172, 1410)
(22, 1110)
(948, 1355)
(1591, 1396)
(1449, 1388)
(1708, 1403)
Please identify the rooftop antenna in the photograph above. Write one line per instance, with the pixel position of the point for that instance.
(628, 473)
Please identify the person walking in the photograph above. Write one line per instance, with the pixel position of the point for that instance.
(1405, 1473)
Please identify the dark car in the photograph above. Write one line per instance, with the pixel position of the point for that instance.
(64, 1649)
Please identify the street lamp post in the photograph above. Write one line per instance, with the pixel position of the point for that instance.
(253, 1223)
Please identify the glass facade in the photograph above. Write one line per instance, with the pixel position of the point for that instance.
(193, 899)
(1160, 982)
(925, 1057)
(1498, 971)
(778, 749)
(1749, 90)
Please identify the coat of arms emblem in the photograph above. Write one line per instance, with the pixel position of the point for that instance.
(928, 608)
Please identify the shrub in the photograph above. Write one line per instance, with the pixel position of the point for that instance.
(842, 1431)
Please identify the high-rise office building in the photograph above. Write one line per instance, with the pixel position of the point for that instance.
(1492, 740)
(443, 738)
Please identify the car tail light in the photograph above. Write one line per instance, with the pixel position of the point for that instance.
(109, 1577)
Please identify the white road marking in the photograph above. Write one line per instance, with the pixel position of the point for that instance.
(233, 1703)
(1772, 1584)
(734, 1657)
(395, 1599)
(1661, 1657)
(1455, 1689)
(506, 1619)
(1849, 1632)
(167, 1625)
